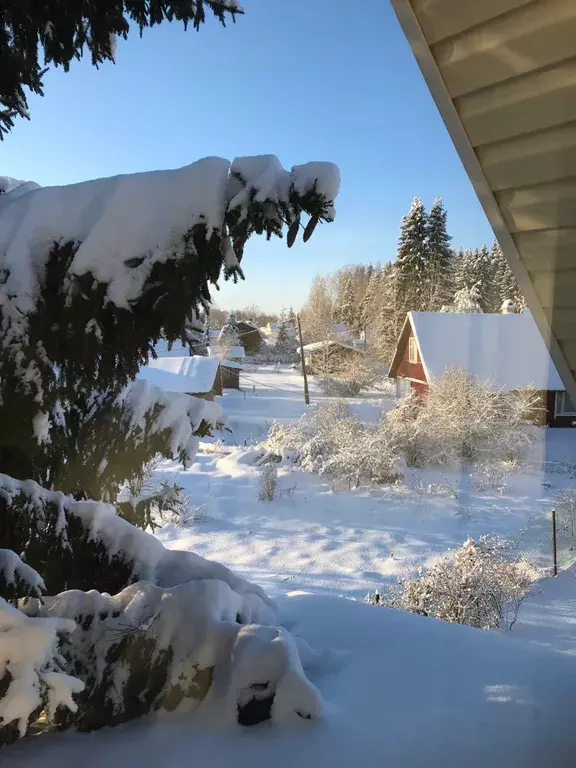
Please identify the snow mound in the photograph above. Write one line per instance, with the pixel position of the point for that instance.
(405, 691)
(204, 629)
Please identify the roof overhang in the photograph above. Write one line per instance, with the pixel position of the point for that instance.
(503, 76)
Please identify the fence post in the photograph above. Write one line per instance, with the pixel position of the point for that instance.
(554, 549)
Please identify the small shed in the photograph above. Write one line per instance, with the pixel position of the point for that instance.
(230, 374)
(193, 375)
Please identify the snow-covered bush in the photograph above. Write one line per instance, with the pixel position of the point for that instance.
(268, 483)
(330, 439)
(353, 375)
(32, 681)
(462, 418)
(478, 585)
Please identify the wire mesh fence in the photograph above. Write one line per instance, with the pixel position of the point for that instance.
(547, 541)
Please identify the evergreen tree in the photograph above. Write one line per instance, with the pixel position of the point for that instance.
(441, 257)
(57, 33)
(80, 312)
(347, 311)
(465, 300)
(370, 302)
(229, 336)
(285, 349)
(198, 338)
(412, 259)
(475, 273)
(505, 281)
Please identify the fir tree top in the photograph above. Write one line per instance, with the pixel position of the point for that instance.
(33, 35)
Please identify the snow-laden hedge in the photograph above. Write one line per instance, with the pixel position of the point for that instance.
(461, 420)
(478, 585)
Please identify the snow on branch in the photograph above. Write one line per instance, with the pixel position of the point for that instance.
(17, 579)
(143, 556)
(124, 225)
(183, 417)
(30, 672)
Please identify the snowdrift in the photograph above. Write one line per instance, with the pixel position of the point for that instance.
(402, 691)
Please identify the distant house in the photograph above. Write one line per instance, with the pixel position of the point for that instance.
(251, 336)
(505, 349)
(329, 356)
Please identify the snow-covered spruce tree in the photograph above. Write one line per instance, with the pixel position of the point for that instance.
(465, 300)
(346, 309)
(285, 349)
(412, 266)
(91, 277)
(197, 337)
(504, 280)
(57, 33)
(229, 336)
(441, 270)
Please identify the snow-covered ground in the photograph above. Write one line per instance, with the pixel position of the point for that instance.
(344, 543)
(400, 690)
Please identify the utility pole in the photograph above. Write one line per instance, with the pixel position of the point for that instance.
(306, 392)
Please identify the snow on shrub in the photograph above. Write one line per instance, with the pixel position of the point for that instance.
(478, 585)
(31, 676)
(463, 419)
(268, 483)
(331, 439)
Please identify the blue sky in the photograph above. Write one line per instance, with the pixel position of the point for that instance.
(303, 80)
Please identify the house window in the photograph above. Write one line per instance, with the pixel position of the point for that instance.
(564, 406)
(412, 351)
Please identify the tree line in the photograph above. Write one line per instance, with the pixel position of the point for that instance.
(426, 275)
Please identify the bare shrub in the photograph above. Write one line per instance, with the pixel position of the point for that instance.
(479, 585)
(464, 419)
(351, 376)
(330, 439)
(268, 483)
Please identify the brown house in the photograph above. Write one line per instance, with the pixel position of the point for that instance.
(331, 356)
(505, 349)
(250, 337)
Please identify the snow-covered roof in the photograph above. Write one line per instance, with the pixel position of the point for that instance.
(181, 374)
(507, 350)
(334, 343)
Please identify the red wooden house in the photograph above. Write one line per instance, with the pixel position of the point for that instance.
(505, 349)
